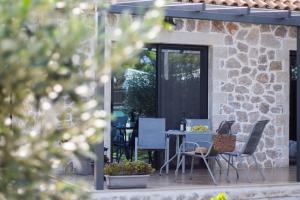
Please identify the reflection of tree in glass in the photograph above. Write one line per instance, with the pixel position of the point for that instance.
(140, 85)
(184, 66)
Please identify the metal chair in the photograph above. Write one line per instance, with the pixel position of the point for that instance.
(248, 149)
(118, 137)
(196, 140)
(189, 150)
(151, 135)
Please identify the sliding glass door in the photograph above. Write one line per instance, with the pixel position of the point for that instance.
(182, 84)
(167, 81)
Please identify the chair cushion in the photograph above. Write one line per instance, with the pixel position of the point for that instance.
(200, 150)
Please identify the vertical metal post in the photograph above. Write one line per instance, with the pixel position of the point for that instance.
(99, 165)
(99, 149)
(298, 104)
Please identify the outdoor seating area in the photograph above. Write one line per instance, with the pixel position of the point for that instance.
(196, 141)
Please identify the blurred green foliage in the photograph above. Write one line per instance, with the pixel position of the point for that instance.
(52, 63)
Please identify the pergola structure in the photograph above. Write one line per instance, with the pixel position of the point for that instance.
(204, 11)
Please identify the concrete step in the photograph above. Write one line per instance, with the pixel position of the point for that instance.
(277, 191)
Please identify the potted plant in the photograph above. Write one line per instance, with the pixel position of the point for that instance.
(127, 175)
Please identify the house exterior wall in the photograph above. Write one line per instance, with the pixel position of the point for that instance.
(248, 78)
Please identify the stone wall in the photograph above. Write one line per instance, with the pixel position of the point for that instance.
(248, 78)
(250, 82)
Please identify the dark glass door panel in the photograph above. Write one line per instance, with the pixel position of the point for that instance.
(134, 94)
(293, 96)
(182, 84)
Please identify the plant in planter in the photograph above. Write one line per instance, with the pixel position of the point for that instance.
(127, 175)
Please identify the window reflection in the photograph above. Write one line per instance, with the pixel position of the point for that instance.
(134, 88)
(181, 65)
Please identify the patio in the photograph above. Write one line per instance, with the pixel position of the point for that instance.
(280, 184)
(201, 179)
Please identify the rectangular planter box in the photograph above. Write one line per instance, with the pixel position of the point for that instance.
(124, 182)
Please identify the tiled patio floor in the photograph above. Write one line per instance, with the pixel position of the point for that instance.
(201, 178)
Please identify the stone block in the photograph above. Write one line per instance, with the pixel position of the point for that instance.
(233, 63)
(242, 116)
(241, 89)
(262, 78)
(269, 40)
(258, 89)
(232, 28)
(241, 34)
(292, 32)
(271, 55)
(228, 40)
(265, 28)
(246, 70)
(269, 99)
(239, 97)
(218, 26)
(235, 105)
(190, 25)
(255, 99)
(231, 51)
(179, 24)
(203, 26)
(269, 142)
(253, 36)
(281, 31)
(242, 47)
(248, 106)
(264, 107)
(228, 87)
(276, 65)
(253, 53)
(233, 73)
(262, 59)
(245, 80)
(253, 116)
(243, 58)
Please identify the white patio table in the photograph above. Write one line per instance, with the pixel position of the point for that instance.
(177, 134)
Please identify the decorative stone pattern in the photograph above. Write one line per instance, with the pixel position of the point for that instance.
(255, 61)
(257, 83)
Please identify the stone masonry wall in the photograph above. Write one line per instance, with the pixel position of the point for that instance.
(248, 78)
(250, 82)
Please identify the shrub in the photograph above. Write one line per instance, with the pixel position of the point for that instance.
(128, 168)
(220, 196)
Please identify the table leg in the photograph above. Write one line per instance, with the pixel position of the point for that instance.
(168, 153)
(167, 156)
(183, 157)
